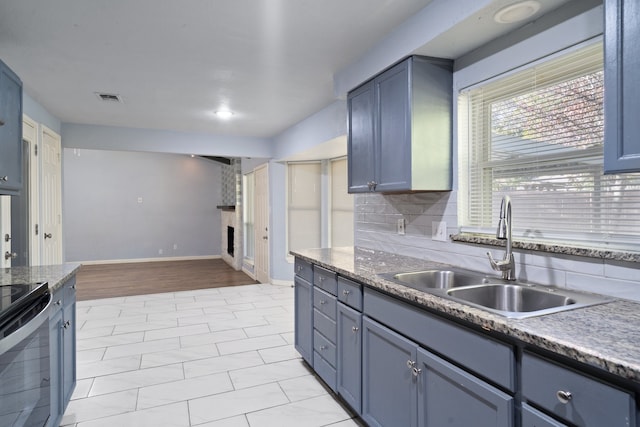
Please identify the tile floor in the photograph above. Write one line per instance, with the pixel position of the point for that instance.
(219, 357)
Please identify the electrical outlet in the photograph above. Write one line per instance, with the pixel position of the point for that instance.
(439, 231)
(400, 226)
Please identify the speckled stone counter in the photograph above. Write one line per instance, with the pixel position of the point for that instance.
(605, 336)
(55, 275)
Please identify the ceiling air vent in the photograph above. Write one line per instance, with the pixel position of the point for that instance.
(109, 97)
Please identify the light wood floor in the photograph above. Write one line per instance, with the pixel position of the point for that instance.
(116, 280)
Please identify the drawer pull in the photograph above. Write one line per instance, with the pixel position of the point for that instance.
(322, 302)
(323, 347)
(346, 293)
(564, 396)
(411, 364)
(299, 269)
(416, 372)
(354, 329)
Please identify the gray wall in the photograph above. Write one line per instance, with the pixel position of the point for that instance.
(103, 220)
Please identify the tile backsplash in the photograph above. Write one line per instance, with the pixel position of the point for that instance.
(376, 218)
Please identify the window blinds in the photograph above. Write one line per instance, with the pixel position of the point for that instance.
(537, 136)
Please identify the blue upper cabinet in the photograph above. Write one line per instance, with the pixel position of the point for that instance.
(400, 129)
(10, 131)
(622, 86)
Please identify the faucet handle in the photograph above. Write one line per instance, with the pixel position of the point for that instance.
(497, 265)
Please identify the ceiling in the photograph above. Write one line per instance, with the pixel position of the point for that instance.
(173, 63)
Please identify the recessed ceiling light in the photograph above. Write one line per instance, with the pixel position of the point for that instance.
(516, 12)
(223, 114)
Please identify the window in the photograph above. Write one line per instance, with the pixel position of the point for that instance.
(304, 198)
(537, 136)
(247, 215)
(320, 210)
(341, 205)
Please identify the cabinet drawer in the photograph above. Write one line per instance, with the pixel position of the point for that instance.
(325, 279)
(324, 303)
(350, 293)
(303, 269)
(324, 325)
(534, 418)
(325, 371)
(590, 402)
(480, 354)
(324, 348)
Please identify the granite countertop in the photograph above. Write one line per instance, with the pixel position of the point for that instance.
(604, 336)
(56, 275)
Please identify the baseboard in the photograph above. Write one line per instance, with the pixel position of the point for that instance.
(248, 273)
(282, 282)
(128, 261)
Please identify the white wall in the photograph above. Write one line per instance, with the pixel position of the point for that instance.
(103, 220)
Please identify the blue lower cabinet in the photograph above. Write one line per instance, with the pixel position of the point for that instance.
(62, 349)
(349, 366)
(55, 360)
(534, 418)
(449, 396)
(389, 389)
(303, 308)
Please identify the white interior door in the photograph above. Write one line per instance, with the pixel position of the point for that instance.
(5, 230)
(51, 207)
(30, 136)
(261, 206)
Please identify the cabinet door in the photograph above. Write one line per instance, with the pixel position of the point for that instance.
(69, 342)
(444, 389)
(303, 307)
(622, 91)
(389, 396)
(55, 361)
(10, 132)
(350, 356)
(360, 146)
(393, 134)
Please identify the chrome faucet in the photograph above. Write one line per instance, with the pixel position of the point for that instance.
(507, 266)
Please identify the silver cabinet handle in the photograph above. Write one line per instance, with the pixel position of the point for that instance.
(346, 292)
(323, 347)
(354, 329)
(299, 268)
(564, 396)
(322, 302)
(4, 178)
(58, 302)
(47, 235)
(416, 371)
(11, 255)
(410, 364)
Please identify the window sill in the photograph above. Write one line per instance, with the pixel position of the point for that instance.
(483, 239)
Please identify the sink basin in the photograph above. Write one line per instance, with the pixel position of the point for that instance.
(511, 299)
(437, 279)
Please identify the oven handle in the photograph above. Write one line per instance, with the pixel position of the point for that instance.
(13, 339)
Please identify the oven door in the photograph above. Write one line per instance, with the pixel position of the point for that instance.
(24, 367)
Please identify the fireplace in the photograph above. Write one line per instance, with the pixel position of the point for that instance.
(230, 240)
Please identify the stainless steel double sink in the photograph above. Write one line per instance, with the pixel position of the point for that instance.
(510, 299)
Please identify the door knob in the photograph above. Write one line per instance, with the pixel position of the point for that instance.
(7, 237)
(47, 235)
